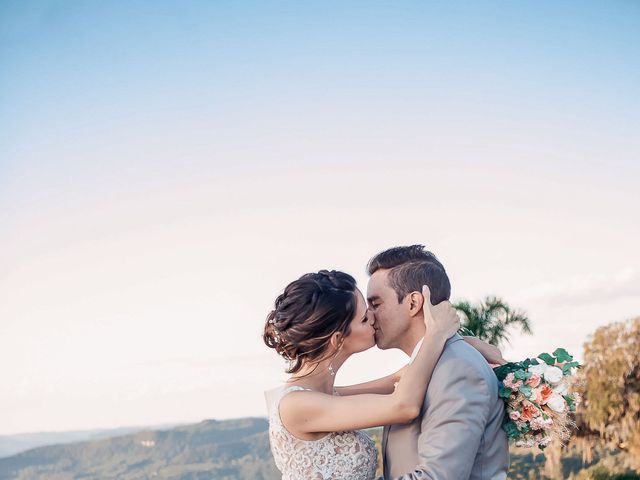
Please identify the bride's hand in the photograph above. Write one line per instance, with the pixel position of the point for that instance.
(441, 319)
(398, 375)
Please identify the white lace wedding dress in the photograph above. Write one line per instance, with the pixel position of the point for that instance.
(340, 455)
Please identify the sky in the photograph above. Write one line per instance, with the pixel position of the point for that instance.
(166, 168)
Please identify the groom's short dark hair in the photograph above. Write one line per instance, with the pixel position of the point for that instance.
(410, 268)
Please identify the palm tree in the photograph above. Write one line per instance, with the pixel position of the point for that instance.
(491, 319)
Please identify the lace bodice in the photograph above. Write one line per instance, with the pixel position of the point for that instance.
(339, 455)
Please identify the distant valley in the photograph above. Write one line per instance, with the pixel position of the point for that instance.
(222, 450)
(232, 449)
(13, 444)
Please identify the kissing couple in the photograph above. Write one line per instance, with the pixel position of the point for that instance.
(441, 413)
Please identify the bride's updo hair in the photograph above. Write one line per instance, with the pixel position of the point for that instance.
(306, 315)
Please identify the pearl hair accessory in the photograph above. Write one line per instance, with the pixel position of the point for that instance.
(277, 338)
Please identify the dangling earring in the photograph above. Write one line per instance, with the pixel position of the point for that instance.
(331, 371)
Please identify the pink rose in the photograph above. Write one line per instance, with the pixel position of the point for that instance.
(536, 395)
(539, 423)
(514, 415)
(511, 382)
(536, 423)
(534, 381)
(544, 441)
(529, 410)
(543, 394)
(528, 443)
(508, 381)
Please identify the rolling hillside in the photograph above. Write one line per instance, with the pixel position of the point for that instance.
(234, 449)
(239, 450)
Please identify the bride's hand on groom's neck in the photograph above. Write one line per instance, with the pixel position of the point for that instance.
(441, 319)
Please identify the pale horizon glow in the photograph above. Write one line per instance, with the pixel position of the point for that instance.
(166, 171)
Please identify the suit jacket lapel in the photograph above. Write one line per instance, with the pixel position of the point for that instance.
(385, 439)
(385, 433)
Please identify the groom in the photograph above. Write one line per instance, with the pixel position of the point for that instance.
(458, 433)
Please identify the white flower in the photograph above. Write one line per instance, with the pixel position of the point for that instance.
(561, 388)
(557, 403)
(528, 443)
(545, 441)
(553, 375)
(538, 369)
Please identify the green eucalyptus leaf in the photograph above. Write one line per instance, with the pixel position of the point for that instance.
(503, 370)
(566, 368)
(548, 359)
(504, 392)
(562, 355)
(525, 390)
(524, 428)
(511, 429)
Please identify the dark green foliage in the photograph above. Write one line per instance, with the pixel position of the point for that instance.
(491, 320)
(601, 473)
(504, 392)
(546, 358)
(611, 386)
(503, 370)
(562, 355)
(519, 368)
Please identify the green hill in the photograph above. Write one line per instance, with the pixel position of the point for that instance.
(233, 449)
(20, 442)
(239, 450)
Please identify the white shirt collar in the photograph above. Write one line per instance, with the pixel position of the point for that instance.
(415, 350)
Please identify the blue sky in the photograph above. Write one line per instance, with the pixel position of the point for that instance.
(91, 68)
(167, 167)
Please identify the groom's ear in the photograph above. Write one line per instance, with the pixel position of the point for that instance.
(416, 301)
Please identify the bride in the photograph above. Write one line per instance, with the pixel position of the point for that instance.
(318, 322)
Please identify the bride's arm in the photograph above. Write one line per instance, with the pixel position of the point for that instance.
(386, 385)
(491, 353)
(381, 386)
(311, 412)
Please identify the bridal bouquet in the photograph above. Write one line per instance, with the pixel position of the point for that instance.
(538, 398)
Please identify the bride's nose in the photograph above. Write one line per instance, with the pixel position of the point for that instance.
(370, 318)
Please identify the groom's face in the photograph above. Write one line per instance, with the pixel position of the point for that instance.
(391, 320)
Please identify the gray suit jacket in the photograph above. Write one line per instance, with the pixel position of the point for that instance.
(458, 434)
